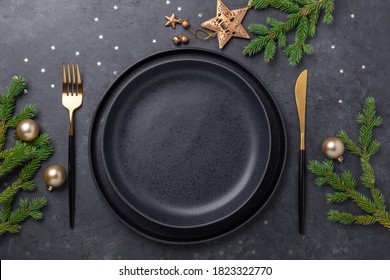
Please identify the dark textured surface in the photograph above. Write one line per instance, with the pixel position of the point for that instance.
(29, 29)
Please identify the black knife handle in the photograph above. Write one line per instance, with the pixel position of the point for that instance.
(71, 186)
(301, 190)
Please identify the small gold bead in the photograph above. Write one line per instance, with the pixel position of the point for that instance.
(176, 40)
(184, 39)
(186, 24)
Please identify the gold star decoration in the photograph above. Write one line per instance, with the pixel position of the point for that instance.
(172, 21)
(227, 23)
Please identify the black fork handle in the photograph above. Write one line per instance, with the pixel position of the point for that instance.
(71, 186)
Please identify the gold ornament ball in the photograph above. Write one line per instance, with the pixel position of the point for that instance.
(186, 24)
(184, 39)
(176, 40)
(27, 130)
(54, 176)
(333, 148)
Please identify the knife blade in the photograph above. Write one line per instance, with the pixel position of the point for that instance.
(300, 98)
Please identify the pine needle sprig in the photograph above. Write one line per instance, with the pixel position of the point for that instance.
(28, 156)
(27, 208)
(303, 15)
(345, 184)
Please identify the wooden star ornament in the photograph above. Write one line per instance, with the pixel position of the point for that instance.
(172, 21)
(227, 23)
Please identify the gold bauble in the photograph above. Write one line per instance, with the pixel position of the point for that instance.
(27, 130)
(54, 176)
(333, 148)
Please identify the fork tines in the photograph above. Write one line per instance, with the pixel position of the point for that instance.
(71, 80)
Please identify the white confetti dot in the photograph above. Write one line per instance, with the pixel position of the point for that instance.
(168, 2)
(363, 67)
(26, 60)
(96, 19)
(333, 47)
(115, 7)
(340, 101)
(200, 15)
(116, 48)
(43, 70)
(115, 72)
(99, 63)
(341, 71)
(101, 36)
(25, 91)
(52, 85)
(77, 53)
(266, 222)
(154, 41)
(179, 9)
(352, 16)
(53, 47)
(15, 77)
(253, 252)
(221, 253)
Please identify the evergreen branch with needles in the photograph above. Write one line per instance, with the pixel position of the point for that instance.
(374, 207)
(302, 15)
(26, 156)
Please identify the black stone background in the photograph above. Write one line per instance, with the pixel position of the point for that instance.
(29, 28)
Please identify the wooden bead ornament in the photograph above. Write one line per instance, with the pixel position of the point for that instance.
(184, 39)
(226, 25)
(185, 23)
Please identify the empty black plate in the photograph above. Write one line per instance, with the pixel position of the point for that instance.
(186, 146)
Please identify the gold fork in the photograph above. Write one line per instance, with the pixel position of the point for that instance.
(72, 98)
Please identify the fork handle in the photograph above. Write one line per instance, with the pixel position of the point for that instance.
(71, 186)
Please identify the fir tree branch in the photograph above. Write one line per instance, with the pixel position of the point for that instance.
(349, 143)
(302, 15)
(345, 185)
(26, 209)
(25, 155)
(28, 112)
(7, 105)
(384, 219)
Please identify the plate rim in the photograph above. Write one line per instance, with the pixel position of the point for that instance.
(282, 130)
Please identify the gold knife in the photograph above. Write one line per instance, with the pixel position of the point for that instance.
(300, 98)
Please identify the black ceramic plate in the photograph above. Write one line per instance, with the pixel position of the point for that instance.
(186, 146)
